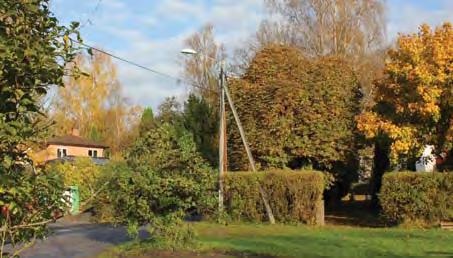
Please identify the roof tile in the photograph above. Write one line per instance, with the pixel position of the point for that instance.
(73, 140)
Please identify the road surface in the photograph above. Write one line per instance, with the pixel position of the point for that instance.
(75, 239)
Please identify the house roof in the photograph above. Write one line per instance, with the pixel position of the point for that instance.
(72, 140)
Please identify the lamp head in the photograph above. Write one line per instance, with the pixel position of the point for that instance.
(189, 51)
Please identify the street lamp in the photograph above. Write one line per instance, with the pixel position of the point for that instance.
(222, 137)
(189, 51)
(222, 127)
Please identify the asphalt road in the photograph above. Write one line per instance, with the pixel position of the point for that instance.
(70, 240)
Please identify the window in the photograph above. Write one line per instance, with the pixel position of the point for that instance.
(93, 153)
(61, 153)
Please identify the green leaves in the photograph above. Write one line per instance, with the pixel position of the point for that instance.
(164, 175)
(33, 58)
(90, 51)
(201, 120)
(409, 196)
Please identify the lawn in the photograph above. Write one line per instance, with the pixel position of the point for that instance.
(307, 242)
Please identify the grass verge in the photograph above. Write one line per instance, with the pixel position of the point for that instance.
(251, 240)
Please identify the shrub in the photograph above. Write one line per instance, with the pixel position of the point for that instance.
(409, 196)
(293, 195)
(82, 173)
(163, 176)
(28, 202)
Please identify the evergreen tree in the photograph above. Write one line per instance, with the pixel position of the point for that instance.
(147, 121)
(200, 119)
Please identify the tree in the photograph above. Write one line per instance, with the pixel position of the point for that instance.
(201, 71)
(95, 104)
(348, 29)
(201, 120)
(351, 30)
(34, 51)
(169, 111)
(414, 102)
(147, 121)
(164, 179)
(296, 112)
(338, 27)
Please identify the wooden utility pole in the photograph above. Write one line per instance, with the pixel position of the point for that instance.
(223, 117)
(222, 137)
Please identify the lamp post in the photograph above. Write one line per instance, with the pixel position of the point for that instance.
(222, 127)
(222, 138)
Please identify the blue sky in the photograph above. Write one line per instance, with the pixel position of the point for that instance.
(151, 32)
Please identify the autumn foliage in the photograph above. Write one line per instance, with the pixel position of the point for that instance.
(415, 99)
(95, 104)
(296, 111)
(293, 195)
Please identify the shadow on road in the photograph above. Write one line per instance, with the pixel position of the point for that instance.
(70, 240)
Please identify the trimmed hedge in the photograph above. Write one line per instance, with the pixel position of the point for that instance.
(411, 196)
(293, 195)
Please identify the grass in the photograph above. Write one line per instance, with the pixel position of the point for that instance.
(329, 241)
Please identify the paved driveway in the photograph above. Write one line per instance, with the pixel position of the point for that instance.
(70, 240)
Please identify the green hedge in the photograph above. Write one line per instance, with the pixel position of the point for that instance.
(410, 196)
(293, 195)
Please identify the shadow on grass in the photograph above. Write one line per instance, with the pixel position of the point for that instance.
(440, 254)
(354, 213)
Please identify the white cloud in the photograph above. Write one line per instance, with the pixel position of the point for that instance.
(180, 9)
(233, 23)
(406, 16)
(151, 33)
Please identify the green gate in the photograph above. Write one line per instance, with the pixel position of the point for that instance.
(75, 200)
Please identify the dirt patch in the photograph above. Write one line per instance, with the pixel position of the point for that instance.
(188, 254)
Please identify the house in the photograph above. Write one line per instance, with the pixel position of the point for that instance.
(68, 147)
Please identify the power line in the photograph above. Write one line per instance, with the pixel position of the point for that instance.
(88, 20)
(127, 61)
(177, 79)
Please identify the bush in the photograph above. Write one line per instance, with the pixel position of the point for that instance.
(409, 196)
(28, 202)
(293, 195)
(163, 175)
(83, 172)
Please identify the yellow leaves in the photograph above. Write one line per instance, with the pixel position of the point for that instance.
(367, 123)
(66, 41)
(371, 125)
(95, 103)
(414, 94)
(83, 173)
(39, 157)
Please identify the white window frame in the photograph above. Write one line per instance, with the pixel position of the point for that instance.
(62, 152)
(93, 153)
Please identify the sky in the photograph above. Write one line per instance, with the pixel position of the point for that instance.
(151, 32)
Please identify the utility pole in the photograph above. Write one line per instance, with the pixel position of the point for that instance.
(223, 117)
(222, 136)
